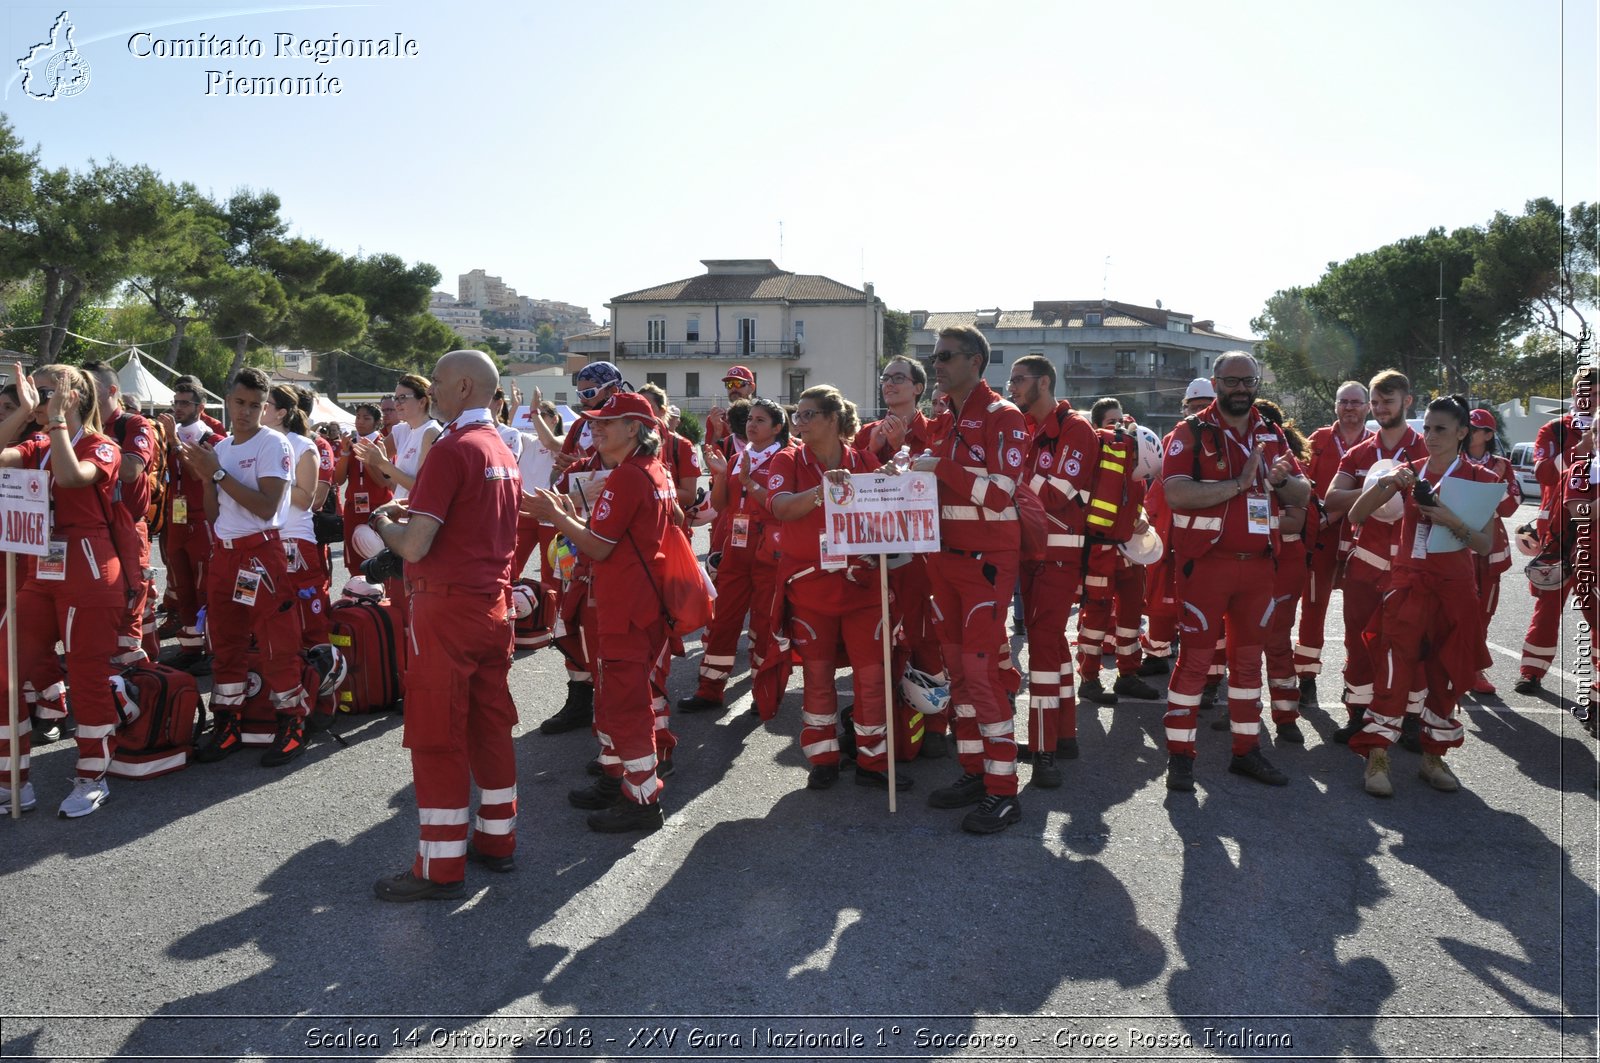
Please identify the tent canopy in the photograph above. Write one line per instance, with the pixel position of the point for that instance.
(327, 410)
(139, 383)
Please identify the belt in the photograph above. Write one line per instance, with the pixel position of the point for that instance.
(248, 541)
(426, 586)
(974, 554)
(1252, 556)
(1291, 538)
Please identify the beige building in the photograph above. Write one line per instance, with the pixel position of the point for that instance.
(1145, 356)
(792, 330)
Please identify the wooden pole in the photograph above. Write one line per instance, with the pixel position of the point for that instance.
(888, 675)
(13, 685)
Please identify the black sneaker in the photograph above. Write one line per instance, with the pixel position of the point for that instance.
(934, 746)
(1256, 767)
(995, 814)
(602, 793)
(195, 662)
(1352, 726)
(1180, 773)
(499, 864)
(1222, 723)
(1045, 773)
(626, 816)
(880, 779)
(1528, 684)
(1091, 690)
(664, 764)
(696, 703)
(1067, 748)
(1411, 733)
(1208, 697)
(1308, 692)
(1131, 686)
(288, 743)
(222, 740)
(967, 790)
(822, 776)
(1155, 666)
(47, 731)
(577, 712)
(1290, 732)
(408, 887)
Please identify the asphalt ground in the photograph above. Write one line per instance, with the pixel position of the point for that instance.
(226, 912)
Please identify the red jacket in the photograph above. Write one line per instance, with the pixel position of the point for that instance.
(1060, 466)
(983, 449)
(1550, 462)
(1219, 454)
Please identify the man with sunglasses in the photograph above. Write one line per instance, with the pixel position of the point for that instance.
(740, 383)
(977, 457)
(1335, 537)
(1225, 479)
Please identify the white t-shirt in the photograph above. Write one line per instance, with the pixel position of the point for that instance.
(512, 438)
(267, 455)
(296, 523)
(535, 462)
(408, 450)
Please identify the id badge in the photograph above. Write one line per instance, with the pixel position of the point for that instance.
(180, 510)
(1258, 513)
(362, 505)
(53, 565)
(831, 562)
(741, 531)
(291, 550)
(1419, 542)
(246, 585)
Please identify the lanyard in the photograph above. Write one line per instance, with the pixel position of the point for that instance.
(1338, 440)
(74, 444)
(1398, 447)
(1422, 474)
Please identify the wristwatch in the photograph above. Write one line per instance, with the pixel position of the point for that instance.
(218, 476)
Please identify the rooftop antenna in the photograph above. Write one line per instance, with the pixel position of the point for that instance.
(1105, 280)
(780, 241)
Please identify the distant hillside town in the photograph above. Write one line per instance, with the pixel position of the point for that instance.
(486, 308)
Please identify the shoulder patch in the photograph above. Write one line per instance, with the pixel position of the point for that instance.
(1176, 448)
(105, 452)
(602, 508)
(775, 481)
(1072, 467)
(1014, 456)
(1044, 460)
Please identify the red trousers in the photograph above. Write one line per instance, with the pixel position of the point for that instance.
(826, 611)
(1215, 588)
(89, 633)
(1288, 585)
(188, 551)
(970, 598)
(745, 584)
(1540, 644)
(1409, 648)
(1161, 606)
(130, 625)
(458, 722)
(1361, 602)
(272, 619)
(1319, 587)
(533, 539)
(308, 574)
(624, 707)
(1112, 588)
(912, 602)
(1049, 589)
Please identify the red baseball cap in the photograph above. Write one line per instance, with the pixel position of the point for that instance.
(624, 404)
(1482, 419)
(739, 372)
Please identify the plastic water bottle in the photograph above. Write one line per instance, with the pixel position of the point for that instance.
(902, 458)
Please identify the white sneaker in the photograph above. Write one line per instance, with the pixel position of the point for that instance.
(86, 796)
(29, 802)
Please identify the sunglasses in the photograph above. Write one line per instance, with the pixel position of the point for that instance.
(589, 393)
(45, 393)
(944, 356)
(735, 385)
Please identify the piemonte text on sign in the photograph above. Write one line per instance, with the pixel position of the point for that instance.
(879, 513)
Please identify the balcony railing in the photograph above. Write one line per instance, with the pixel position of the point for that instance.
(727, 348)
(1168, 372)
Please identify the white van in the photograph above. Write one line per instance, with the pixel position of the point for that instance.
(1522, 465)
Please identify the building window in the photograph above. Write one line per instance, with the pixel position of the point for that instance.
(692, 332)
(797, 384)
(691, 385)
(997, 357)
(799, 336)
(1091, 320)
(747, 335)
(656, 336)
(1125, 361)
(1178, 326)
(658, 379)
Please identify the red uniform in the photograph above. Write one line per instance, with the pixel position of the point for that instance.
(633, 512)
(1059, 466)
(746, 579)
(973, 576)
(1288, 585)
(1428, 627)
(364, 491)
(1492, 567)
(1569, 534)
(1366, 567)
(1113, 594)
(1553, 453)
(135, 435)
(459, 712)
(188, 537)
(1160, 579)
(1225, 557)
(1325, 547)
(77, 596)
(828, 609)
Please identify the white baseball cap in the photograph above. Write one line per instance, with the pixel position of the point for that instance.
(1200, 388)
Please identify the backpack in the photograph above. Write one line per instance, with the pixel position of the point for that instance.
(1110, 513)
(374, 646)
(158, 740)
(155, 471)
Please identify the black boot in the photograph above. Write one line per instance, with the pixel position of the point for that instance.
(1352, 726)
(602, 793)
(577, 712)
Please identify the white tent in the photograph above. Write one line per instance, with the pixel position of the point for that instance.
(327, 410)
(141, 384)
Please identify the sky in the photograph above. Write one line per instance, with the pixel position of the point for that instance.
(957, 155)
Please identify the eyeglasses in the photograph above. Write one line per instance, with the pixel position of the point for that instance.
(183, 402)
(895, 378)
(1238, 381)
(1352, 402)
(805, 416)
(944, 356)
(406, 398)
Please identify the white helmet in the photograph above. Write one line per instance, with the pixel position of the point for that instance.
(366, 541)
(1527, 541)
(1547, 574)
(331, 667)
(127, 707)
(1145, 548)
(524, 600)
(359, 590)
(713, 562)
(927, 694)
(1394, 508)
(1149, 452)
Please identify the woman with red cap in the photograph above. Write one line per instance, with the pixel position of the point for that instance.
(1483, 450)
(1428, 620)
(830, 602)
